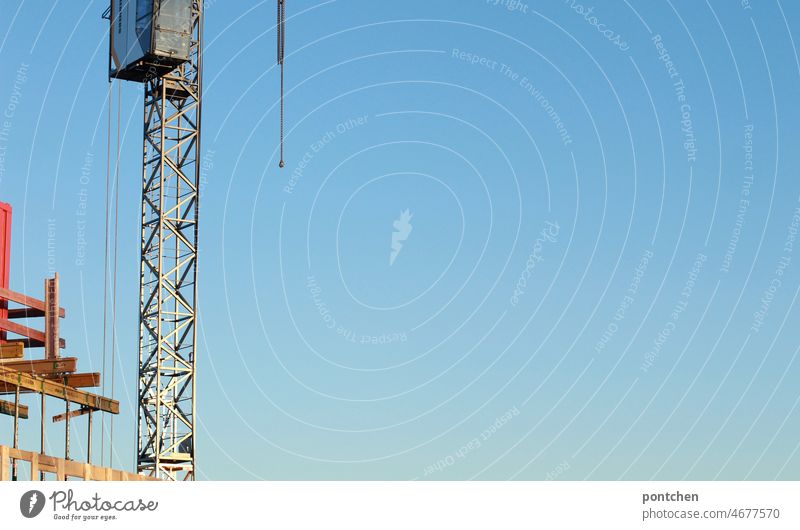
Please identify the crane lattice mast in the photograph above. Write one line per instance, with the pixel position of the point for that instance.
(168, 301)
(159, 44)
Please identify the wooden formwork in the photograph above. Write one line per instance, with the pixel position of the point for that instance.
(51, 377)
(61, 468)
(16, 381)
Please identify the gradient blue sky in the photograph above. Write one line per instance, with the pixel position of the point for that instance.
(487, 121)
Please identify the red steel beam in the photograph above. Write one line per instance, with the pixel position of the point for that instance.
(25, 331)
(24, 312)
(28, 301)
(51, 340)
(5, 257)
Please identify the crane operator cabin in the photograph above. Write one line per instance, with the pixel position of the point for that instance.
(149, 38)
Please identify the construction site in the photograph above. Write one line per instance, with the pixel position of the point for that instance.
(495, 242)
(158, 45)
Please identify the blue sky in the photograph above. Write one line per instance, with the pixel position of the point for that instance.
(599, 280)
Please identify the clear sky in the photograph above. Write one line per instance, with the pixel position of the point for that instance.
(514, 239)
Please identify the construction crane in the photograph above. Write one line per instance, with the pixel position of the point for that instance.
(159, 43)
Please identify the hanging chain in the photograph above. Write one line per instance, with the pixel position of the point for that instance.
(281, 47)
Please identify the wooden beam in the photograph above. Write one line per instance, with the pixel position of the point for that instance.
(86, 380)
(58, 390)
(63, 468)
(77, 380)
(25, 331)
(73, 414)
(28, 301)
(34, 460)
(4, 467)
(7, 408)
(11, 350)
(43, 366)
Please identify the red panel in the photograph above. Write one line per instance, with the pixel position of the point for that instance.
(5, 244)
(5, 257)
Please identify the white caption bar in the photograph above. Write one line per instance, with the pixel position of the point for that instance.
(402, 505)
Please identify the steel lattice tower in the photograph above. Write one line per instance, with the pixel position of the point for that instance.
(168, 289)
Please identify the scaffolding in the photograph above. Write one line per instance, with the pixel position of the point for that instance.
(52, 376)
